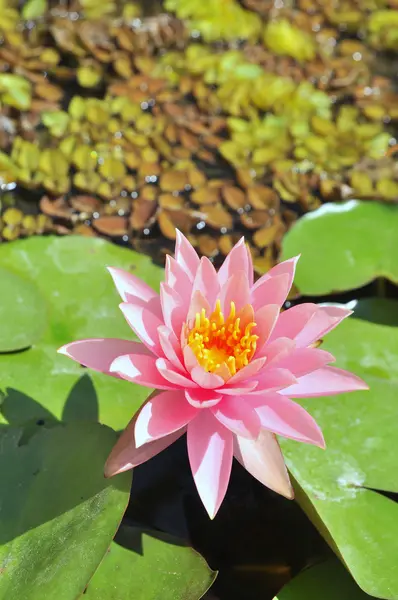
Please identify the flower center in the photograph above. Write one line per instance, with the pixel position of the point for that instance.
(217, 341)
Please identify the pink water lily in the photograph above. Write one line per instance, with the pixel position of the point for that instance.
(225, 363)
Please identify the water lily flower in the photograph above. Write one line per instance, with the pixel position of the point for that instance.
(226, 364)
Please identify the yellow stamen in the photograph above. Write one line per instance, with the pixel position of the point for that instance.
(216, 341)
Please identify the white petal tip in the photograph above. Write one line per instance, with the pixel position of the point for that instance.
(63, 350)
(139, 443)
(115, 365)
(110, 470)
(289, 495)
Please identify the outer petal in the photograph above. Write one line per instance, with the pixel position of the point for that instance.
(178, 279)
(173, 309)
(132, 289)
(263, 459)
(206, 281)
(325, 382)
(210, 451)
(140, 368)
(201, 398)
(168, 372)
(273, 379)
(163, 414)
(186, 255)
(237, 260)
(250, 266)
(266, 318)
(99, 354)
(130, 285)
(284, 417)
(324, 320)
(125, 455)
(304, 360)
(145, 324)
(170, 346)
(236, 290)
(287, 266)
(293, 320)
(206, 380)
(238, 416)
(308, 322)
(271, 291)
(276, 350)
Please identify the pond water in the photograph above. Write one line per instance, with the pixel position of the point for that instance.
(127, 119)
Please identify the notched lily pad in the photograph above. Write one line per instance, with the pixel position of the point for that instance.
(344, 246)
(147, 565)
(326, 581)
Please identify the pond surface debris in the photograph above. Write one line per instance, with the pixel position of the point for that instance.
(221, 118)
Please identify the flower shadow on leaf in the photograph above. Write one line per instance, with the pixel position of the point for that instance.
(81, 405)
(52, 471)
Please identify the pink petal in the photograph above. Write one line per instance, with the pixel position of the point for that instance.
(140, 368)
(206, 281)
(125, 455)
(284, 417)
(198, 303)
(238, 259)
(171, 347)
(190, 359)
(164, 413)
(273, 379)
(236, 290)
(99, 354)
(173, 308)
(324, 382)
(287, 266)
(250, 270)
(132, 289)
(249, 371)
(201, 398)
(238, 416)
(210, 447)
(145, 324)
(271, 291)
(168, 372)
(279, 348)
(323, 320)
(292, 321)
(206, 380)
(186, 255)
(178, 279)
(263, 459)
(266, 319)
(307, 323)
(304, 360)
(242, 387)
(246, 315)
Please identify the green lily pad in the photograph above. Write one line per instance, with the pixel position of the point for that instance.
(58, 514)
(80, 302)
(146, 565)
(340, 488)
(325, 581)
(344, 246)
(22, 312)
